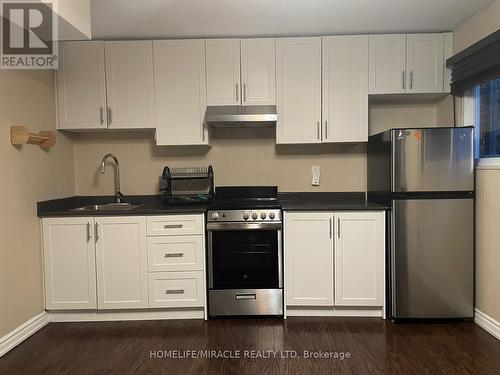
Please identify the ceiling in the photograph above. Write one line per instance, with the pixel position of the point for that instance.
(216, 18)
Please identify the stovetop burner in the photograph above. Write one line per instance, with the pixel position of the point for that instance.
(245, 197)
(245, 204)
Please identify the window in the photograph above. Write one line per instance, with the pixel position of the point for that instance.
(487, 119)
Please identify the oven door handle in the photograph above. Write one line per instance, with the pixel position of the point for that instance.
(243, 226)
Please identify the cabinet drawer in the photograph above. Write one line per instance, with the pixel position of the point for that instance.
(176, 289)
(175, 225)
(175, 253)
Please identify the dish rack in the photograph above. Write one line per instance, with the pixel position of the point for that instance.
(187, 185)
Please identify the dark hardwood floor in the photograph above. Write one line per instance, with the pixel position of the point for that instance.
(375, 347)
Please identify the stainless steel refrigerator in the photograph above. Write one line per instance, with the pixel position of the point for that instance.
(427, 177)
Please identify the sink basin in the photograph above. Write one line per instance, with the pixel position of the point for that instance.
(107, 207)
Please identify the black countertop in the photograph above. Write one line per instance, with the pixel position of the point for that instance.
(327, 202)
(150, 205)
(154, 205)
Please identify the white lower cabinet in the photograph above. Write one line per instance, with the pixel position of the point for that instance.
(334, 259)
(69, 263)
(121, 257)
(176, 289)
(308, 246)
(176, 261)
(109, 263)
(175, 253)
(359, 258)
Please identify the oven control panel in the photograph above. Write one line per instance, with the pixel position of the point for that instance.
(244, 215)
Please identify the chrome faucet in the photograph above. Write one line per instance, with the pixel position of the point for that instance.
(118, 195)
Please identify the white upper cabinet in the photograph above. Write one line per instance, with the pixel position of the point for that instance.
(121, 253)
(298, 90)
(258, 71)
(345, 89)
(309, 258)
(69, 263)
(359, 258)
(412, 64)
(180, 92)
(387, 64)
(425, 63)
(81, 86)
(129, 82)
(223, 71)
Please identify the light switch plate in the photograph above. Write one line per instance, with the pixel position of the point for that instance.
(315, 174)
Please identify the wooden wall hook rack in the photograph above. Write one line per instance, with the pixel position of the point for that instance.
(20, 135)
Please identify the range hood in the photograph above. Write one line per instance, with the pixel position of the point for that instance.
(241, 116)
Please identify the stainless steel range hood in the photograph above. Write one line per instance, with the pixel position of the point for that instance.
(241, 116)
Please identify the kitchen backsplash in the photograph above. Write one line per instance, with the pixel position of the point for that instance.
(243, 156)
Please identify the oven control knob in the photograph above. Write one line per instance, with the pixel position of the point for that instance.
(246, 215)
(272, 215)
(263, 215)
(215, 215)
(255, 215)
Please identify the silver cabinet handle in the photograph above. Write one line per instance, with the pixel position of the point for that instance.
(172, 226)
(96, 232)
(330, 228)
(326, 129)
(237, 93)
(246, 296)
(174, 291)
(244, 93)
(110, 116)
(318, 130)
(403, 80)
(101, 114)
(338, 227)
(89, 236)
(411, 80)
(174, 255)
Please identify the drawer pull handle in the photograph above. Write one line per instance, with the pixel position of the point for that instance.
(174, 255)
(172, 226)
(246, 296)
(174, 291)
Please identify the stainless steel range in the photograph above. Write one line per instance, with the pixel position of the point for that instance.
(245, 254)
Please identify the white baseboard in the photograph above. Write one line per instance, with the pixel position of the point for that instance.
(335, 311)
(487, 323)
(117, 315)
(21, 333)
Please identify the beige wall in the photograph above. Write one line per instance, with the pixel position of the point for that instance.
(28, 175)
(240, 156)
(488, 242)
(488, 195)
(477, 27)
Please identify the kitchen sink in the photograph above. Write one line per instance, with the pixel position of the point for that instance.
(107, 207)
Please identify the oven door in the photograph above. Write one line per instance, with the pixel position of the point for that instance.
(245, 256)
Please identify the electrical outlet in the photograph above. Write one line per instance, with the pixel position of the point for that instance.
(315, 174)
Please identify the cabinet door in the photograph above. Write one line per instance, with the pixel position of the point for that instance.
(223, 72)
(69, 263)
(345, 89)
(180, 92)
(122, 280)
(387, 70)
(298, 90)
(81, 86)
(425, 63)
(258, 71)
(129, 82)
(309, 258)
(359, 258)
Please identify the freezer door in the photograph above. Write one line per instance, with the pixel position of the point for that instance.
(432, 258)
(432, 159)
